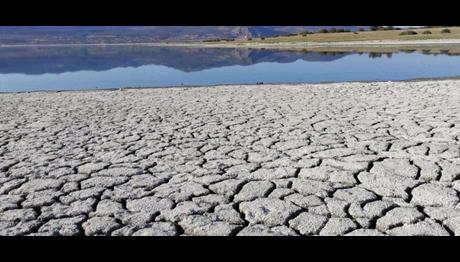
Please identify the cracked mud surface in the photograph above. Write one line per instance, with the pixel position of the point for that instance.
(331, 159)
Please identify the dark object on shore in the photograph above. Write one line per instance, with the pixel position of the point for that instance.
(427, 32)
(259, 83)
(445, 31)
(211, 40)
(408, 33)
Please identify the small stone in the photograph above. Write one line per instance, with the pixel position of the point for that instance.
(62, 227)
(450, 171)
(280, 193)
(370, 210)
(364, 222)
(124, 231)
(253, 190)
(182, 209)
(108, 208)
(338, 226)
(100, 225)
(364, 232)
(270, 174)
(429, 170)
(268, 211)
(226, 213)
(320, 173)
(180, 192)
(119, 171)
(398, 167)
(38, 185)
(310, 187)
(434, 195)
(149, 204)
(387, 185)
(90, 168)
(441, 213)
(423, 228)
(398, 216)
(308, 223)
(320, 210)
(69, 187)
(209, 201)
(337, 207)
(454, 225)
(227, 187)
(17, 215)
(41, 198)
(158, 229)
(355, 195)
(81, 195)
(9, 202)
(262, 230)
(304, 201)
(104, 182)
(60, 172)
(198, 225)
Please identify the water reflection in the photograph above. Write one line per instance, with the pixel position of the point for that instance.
(87, 67)
(41, 60)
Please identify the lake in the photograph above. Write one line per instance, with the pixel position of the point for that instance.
(94, 67)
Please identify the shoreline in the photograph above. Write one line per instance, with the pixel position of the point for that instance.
(278, 45)
(414, 80)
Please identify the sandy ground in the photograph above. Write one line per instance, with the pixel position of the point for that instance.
(297, 45)
(328, 159)
(281, 45)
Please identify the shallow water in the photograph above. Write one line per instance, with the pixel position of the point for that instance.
(92, 67)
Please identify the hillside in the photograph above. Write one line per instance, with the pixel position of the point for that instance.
(133, 34)
(435, 33)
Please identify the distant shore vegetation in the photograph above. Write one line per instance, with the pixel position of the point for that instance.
(370, 33)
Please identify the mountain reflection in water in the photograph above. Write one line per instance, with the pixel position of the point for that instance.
(90, 67)
(41, 60)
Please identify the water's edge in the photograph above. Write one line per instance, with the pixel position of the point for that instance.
(230, 85)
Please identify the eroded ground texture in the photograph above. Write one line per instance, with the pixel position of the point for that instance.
(335, 159)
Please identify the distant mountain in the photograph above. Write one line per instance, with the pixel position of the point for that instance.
(117, 34)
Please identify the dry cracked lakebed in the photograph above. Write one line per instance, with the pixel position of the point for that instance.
(330, 159)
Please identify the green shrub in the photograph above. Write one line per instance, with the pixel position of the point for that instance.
(427, 32)
(445, 31)
(374, 28)
(323, 31)
(211, 40)
(408, 33)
